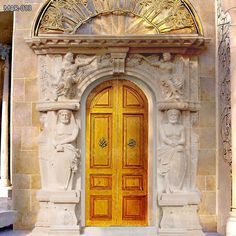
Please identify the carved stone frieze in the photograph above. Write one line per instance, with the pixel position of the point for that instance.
(101, 17)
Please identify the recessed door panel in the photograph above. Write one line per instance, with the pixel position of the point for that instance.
(116, 155)
(133, 135)
(101, 138)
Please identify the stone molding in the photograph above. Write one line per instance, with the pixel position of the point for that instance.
(184, 44)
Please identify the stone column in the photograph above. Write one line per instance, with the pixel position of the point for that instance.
(4, 181)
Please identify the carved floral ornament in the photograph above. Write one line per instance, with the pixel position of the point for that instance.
(118, 17)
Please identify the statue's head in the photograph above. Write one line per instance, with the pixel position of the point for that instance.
(173, 116)
(166, 56)
(64, 116)
(69, 56)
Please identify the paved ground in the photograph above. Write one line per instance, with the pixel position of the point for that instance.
(24, 233)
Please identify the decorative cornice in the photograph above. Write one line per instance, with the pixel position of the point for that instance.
(148, 44)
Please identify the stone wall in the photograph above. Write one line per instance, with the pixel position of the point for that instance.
(25, 122)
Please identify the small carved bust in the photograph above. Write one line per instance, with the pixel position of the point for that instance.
(171, 153)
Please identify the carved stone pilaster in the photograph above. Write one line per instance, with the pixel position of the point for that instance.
(58, 150)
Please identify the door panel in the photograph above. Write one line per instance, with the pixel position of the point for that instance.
(101, 139)
(116, 155)
(133, 139)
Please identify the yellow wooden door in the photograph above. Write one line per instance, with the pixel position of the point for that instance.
(116, 155)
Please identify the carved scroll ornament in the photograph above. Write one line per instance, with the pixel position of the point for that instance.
(225, 82)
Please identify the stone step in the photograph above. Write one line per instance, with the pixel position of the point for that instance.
(25, 233)
(7, 217)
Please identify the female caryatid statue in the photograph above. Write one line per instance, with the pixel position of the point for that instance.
(171, 153)
(66, 157)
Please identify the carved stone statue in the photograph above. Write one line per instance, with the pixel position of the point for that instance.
(66, 156)
(69, 74)
(172, 155)
(172, 81)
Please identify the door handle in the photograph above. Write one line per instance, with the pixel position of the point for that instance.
(132, 143)
(103, 142)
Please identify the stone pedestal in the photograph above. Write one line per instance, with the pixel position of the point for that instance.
(180, 215)
(57, 215)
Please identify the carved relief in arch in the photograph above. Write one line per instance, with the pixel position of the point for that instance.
(118, 17)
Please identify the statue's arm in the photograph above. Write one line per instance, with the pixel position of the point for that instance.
(164, 138)
(86, 62)
(70, 139)
(182, 137)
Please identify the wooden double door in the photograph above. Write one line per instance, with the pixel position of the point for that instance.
(116, 155)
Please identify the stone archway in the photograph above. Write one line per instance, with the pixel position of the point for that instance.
(69, 63)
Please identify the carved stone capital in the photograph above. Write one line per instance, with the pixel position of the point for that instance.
(184, 106)
(73, 105)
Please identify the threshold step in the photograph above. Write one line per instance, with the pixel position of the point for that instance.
(7, 217)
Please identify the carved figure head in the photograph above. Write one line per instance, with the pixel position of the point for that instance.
(64, 116)
(69, 57)
(173, 116)
(166, 56)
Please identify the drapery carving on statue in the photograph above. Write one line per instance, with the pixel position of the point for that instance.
(66, 155)
(172, 156)
(71, 73)
(172, 79)
(44, 151)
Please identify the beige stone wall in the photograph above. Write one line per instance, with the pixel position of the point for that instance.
(25, 123)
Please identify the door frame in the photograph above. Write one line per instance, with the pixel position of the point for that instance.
(153, 209)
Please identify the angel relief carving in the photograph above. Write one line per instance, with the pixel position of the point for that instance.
(171, 71)
(172, 77)
(71, 73)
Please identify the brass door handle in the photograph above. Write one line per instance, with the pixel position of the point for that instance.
(103, 142)
(132, 143)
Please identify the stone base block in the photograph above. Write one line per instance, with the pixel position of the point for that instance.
(57, 214)
(180, 214)
(180, 199)
(70, 230)
(39, 231)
